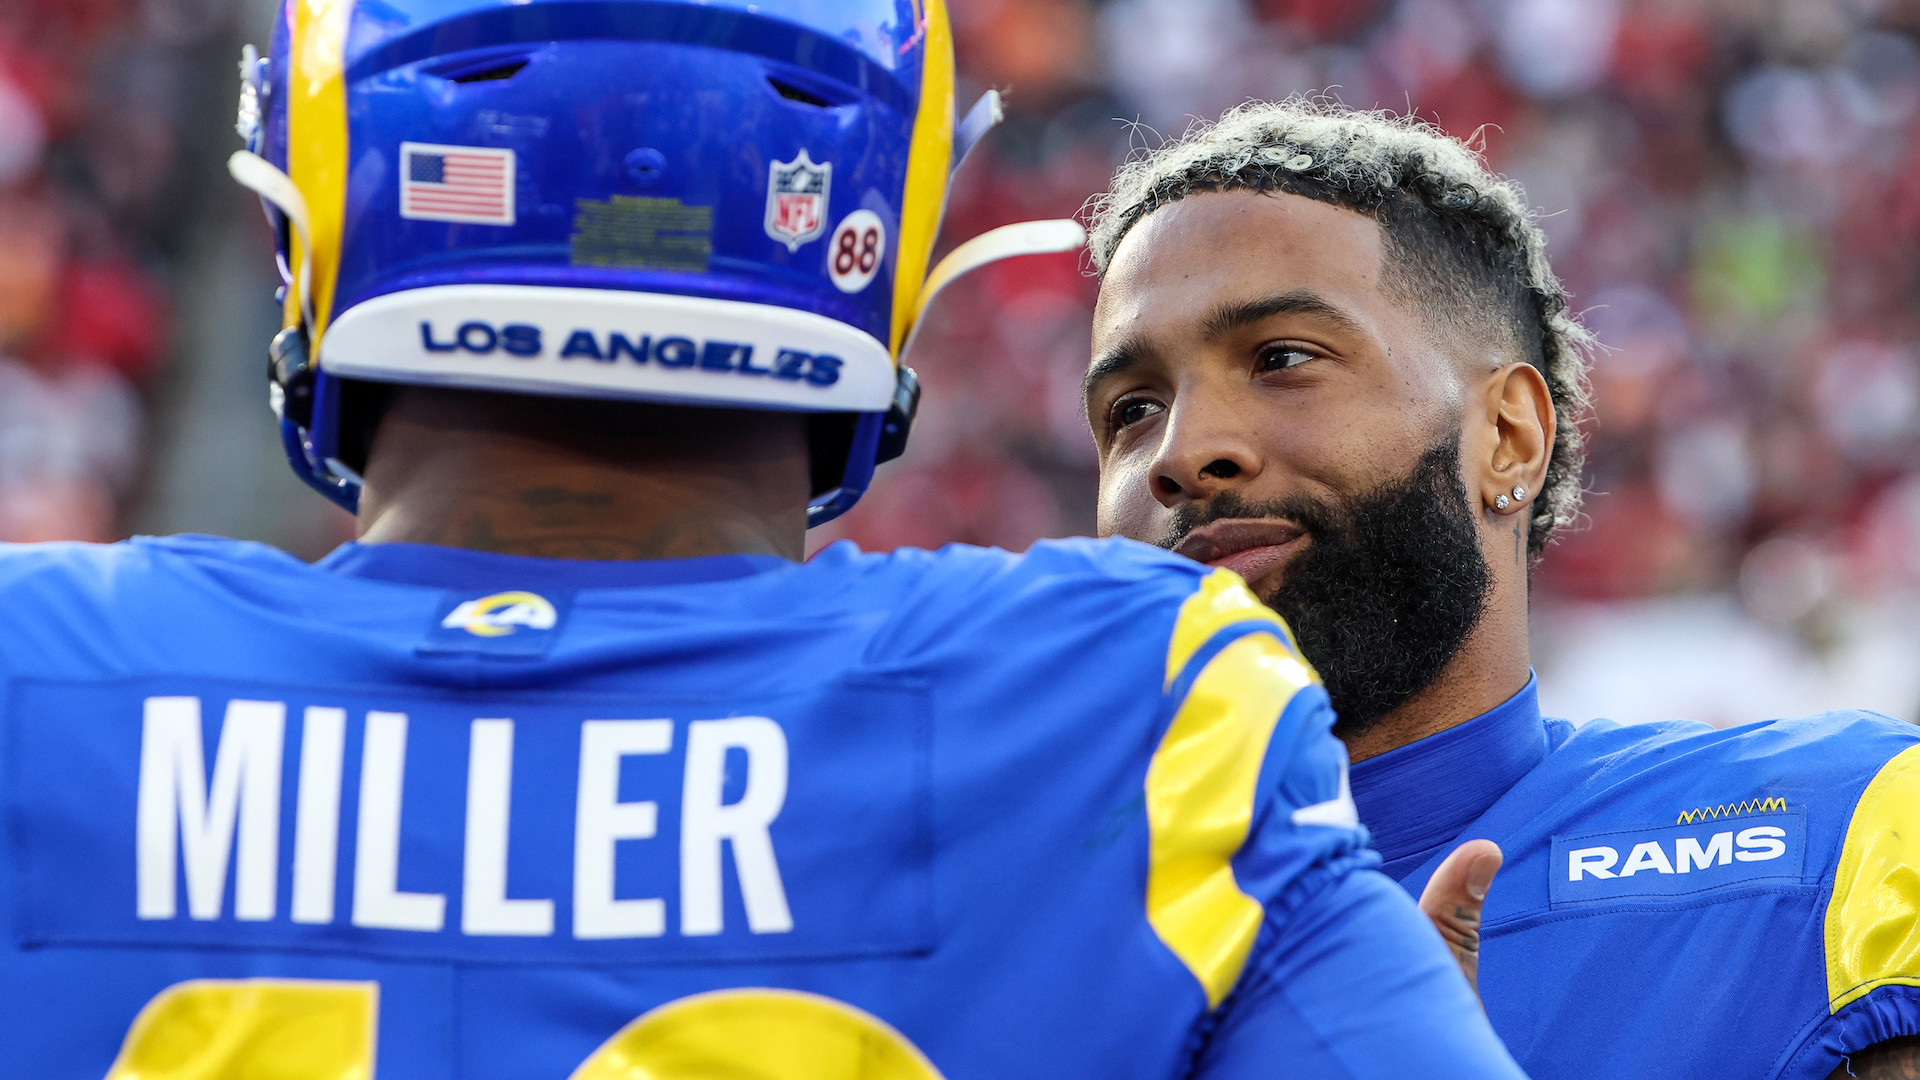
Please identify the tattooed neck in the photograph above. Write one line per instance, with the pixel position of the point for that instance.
(565, 523)
(601, 480)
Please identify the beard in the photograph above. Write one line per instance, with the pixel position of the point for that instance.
(1388, 588)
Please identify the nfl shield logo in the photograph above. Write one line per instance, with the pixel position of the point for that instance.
(797, 200)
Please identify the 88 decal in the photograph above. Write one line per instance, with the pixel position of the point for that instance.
(853, 255)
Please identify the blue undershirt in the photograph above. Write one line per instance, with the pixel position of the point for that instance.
(1416, 799)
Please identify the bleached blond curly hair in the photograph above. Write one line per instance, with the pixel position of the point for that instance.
(1460, 239)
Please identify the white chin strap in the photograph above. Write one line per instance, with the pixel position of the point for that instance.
(258, 175)
(1050, 237)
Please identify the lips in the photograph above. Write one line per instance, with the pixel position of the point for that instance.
(1248, 547)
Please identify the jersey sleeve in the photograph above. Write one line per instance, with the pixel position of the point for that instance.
(1872, 932)
(1352, 982)
(1258, 875)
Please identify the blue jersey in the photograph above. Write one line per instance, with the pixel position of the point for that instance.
(960, 814)
(1678, 902)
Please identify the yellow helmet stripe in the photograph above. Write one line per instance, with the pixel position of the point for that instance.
(317, 145)
(928, 164)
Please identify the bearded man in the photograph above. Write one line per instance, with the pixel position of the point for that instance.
(1329, 354)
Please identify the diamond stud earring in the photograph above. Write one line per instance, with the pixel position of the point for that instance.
(1500, 502)
(1519, 492)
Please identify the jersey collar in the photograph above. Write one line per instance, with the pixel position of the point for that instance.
(459, 568)
(1417, 798)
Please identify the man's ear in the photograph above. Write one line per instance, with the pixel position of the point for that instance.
(1514, 441)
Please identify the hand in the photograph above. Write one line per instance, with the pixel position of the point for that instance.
(1453, 898)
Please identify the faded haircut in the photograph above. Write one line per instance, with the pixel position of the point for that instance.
(1461, 243)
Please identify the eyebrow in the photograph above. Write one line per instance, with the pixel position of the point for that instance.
(1132, 352)
(1226, 318)
(1135, 351)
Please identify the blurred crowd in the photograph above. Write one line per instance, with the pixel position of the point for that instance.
(92, 217)
(1731, 189)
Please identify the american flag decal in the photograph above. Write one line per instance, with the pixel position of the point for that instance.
(456, 183)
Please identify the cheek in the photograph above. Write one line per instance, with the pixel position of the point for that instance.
(1345, 442)
(1127, 506)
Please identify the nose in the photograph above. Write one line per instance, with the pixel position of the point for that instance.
(1203, 452)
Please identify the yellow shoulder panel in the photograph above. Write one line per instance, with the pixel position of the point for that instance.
(1873, 920)
(289, 1029)
(1221, 600)
(1200, 795)
(755, 1032)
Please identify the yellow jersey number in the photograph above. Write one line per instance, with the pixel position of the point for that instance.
(292, 1029)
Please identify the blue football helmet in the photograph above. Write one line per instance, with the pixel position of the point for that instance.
(721, 203)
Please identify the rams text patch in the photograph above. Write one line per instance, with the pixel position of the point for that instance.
(1678, 860)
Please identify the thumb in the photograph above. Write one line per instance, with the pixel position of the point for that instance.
(1454, 897)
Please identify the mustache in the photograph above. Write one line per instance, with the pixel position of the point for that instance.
(1313, 516)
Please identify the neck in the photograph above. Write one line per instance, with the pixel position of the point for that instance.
(570, 479)
(1491, 666)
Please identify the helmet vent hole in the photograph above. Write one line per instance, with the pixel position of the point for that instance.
(495, 72)
(794, 93)
(496, 64)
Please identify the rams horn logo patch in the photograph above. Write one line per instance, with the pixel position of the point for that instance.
(502, 614)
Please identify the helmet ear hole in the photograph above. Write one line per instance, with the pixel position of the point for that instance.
(829, 442)
(363, 405)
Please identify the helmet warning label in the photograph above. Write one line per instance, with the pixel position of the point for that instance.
(643, 233)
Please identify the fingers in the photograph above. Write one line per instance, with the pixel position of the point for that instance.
(1454, 897)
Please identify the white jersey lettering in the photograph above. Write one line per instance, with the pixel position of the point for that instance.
(377, 899)
(180, 815)
(484, 907)
(601, 820)
(705, 823)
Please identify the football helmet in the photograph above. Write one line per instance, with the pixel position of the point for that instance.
(720, 203)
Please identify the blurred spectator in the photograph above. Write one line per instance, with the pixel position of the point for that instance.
(86, 151)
